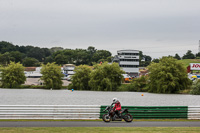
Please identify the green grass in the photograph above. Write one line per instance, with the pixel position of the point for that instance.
(102, 130)
(186, 62)
(187, 91)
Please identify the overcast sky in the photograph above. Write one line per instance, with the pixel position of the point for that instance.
(156, 27)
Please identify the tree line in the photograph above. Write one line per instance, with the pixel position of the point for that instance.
(35, 56)
(187, 55)
(167, 76)
(103, 77)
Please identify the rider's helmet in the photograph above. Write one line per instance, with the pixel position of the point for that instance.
(115, 100)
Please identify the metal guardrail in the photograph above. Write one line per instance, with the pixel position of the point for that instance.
(49, 111)
(94, 112)
(193, 112)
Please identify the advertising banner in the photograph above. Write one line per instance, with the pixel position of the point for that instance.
(194, 66)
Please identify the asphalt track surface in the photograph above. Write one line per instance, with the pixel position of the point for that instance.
(97, 124)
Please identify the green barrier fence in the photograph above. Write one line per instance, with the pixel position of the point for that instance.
(154, 112)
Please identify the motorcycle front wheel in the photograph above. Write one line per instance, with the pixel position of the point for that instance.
(128, 118)
(106, 118)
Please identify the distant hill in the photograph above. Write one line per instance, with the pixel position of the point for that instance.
(187, 62)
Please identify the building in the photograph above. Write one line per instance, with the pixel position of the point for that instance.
(33, 72)
(129, 61)
(69, 69)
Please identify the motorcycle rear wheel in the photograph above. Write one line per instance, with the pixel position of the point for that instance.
(106, 118)
(128, 118)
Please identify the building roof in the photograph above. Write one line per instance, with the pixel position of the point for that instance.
(30, 68)
(126, 50)
(116, 58)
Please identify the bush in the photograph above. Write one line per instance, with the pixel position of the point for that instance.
(106, 77)
(31, 87)
(168, 76)
(13, 75)
(195, 87)
(51, 74)
(124, 87)
(80, 80)
(137, 85)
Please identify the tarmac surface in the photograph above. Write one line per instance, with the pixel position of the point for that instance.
(98, 124)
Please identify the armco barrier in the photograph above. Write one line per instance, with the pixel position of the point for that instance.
(193, 112)
(94, 112)
(155, 112)
(49, 111)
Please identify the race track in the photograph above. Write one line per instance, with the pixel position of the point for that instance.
(97, 124)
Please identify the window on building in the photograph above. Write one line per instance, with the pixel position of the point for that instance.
(129, 66)
(128, 53)
(134, 60)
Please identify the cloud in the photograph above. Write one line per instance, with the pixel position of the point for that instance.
(105, 24)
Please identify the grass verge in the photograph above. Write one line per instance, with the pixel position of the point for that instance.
(102, 130)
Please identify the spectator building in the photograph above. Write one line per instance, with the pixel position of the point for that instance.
(129, 61)
(69, 69)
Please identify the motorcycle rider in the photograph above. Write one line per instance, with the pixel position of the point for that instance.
(117, 107)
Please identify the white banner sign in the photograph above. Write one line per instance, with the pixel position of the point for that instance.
(194, 66)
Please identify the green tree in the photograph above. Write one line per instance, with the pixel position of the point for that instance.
(13, 75)
(51, 74)
(48, 59)
(6, 47)
(30, 62)
(195, 88)
(5, 58)
(139, 84)
(141, 56)
(167, 76)
(81, 78)
(61, 59)
(106, 77)
(198, 55)
(144, 60)
(109, 59)
(55, 49)
(81, 57)
(64, 57)
(91, 51)
(189, 55)
(156, 60)
(177, 57)
(101, 55)
(36, 53)
(17, 56)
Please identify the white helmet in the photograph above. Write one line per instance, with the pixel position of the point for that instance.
(115, 100)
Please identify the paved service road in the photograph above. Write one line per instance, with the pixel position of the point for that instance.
(97, 124)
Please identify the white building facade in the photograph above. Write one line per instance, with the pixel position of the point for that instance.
(69, 69)
(129, 61)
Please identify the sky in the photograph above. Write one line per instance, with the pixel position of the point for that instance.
(155, 27)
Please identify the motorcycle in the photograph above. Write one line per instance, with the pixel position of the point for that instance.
(111, 115)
